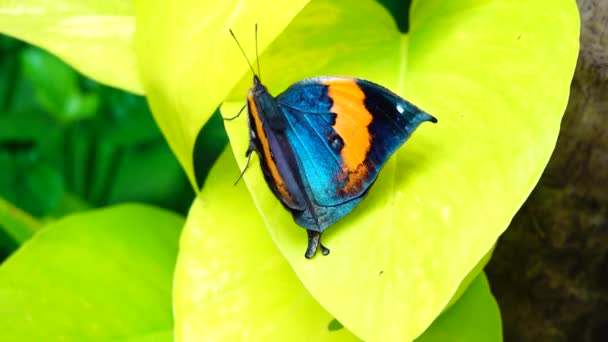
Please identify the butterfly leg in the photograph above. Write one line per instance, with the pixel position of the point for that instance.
(324, 249)
(314, 242)
(237, 115)
(248, 155)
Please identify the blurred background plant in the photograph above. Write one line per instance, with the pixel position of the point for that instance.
(68, 143)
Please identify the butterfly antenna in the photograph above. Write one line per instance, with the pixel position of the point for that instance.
(242, 51)
(257, 56)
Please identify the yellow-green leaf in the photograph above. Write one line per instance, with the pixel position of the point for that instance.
(232, 283)
(102, 275)
(189, 62)
(95, 37)
(496, 74)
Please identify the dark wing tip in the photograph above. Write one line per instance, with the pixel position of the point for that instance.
(424, 116)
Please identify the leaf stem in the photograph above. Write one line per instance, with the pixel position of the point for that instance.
(18, 224)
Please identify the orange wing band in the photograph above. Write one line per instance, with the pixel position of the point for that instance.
(352, 120)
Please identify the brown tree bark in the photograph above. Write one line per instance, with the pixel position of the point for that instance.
(549, 272)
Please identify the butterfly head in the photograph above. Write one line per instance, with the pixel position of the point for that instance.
(258, 90)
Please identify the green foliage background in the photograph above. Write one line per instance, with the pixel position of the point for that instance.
(68, 143)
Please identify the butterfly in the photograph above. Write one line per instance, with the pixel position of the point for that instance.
(323, 141)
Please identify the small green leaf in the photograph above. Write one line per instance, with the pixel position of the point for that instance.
(97, 276)
(334, 325)
(475, 317)
(95, 37)
(189, 62)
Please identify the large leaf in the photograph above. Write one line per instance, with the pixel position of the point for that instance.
(189, 62)
(232, 283)
(95, 37)
(95, 276)
(496, 74)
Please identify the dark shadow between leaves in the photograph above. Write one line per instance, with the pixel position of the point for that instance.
(209, 144)
(400, 10)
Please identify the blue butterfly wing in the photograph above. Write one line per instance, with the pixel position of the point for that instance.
(343, 130)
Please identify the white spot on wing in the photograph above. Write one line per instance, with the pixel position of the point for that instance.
(400, 109)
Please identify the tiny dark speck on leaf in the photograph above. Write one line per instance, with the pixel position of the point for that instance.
(334, 325)
(380, 273)
(519, 36)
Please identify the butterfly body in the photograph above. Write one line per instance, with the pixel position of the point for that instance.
(322, 143)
